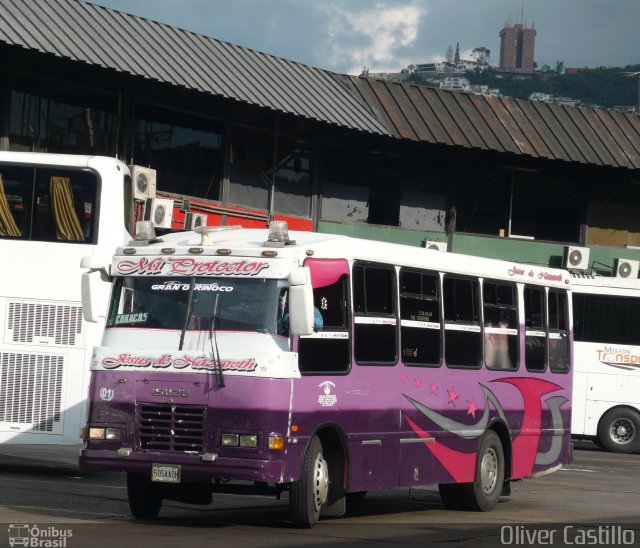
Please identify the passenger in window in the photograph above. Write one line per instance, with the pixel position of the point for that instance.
(497, 344)
(318, 321)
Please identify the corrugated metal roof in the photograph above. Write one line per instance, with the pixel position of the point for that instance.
(103, 37)
(111, 39)
(539, 130)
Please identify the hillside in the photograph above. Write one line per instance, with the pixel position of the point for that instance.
(604, 86)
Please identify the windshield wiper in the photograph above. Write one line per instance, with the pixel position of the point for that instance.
(214, 346)
(187, 317)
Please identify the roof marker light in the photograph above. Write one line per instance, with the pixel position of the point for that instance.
(278, 235)
(145, 231)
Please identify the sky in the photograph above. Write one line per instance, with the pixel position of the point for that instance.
(387, 35)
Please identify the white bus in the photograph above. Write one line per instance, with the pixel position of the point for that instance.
(54, 210)
(606, 394)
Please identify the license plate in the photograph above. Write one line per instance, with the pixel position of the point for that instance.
(167, 473)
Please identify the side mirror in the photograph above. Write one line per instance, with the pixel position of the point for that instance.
(91, 304)
(93, 291)
(300, 302)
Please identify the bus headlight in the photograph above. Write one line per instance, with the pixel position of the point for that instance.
(229, 440)
(239, 440)
(96, 433)
(112, 434)
(248, 440)
(101, 433)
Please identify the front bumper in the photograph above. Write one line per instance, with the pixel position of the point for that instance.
(192, 466)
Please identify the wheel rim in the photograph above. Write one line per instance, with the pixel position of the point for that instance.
(489, 471)
(622, 431)
(320, 482)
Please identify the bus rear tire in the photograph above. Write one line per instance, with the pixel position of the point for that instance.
(619, 430)
(145, 497)
(309, 494)
(484, 493)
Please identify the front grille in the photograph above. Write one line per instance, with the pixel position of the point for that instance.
(170, 427)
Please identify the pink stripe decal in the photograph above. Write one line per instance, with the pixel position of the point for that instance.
(461, 466)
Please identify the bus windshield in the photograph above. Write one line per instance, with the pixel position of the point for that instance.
(163, 303)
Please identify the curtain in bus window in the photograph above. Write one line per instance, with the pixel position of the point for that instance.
(8, 225)
(500, 326)
(64, 213)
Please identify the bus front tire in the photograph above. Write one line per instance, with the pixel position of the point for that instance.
(309, 494)
(145, 497)
(483, 494)
(619, 430)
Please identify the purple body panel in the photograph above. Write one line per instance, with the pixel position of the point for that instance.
(119, 398)
(372, 408)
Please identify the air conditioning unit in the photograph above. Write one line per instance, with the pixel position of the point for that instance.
(576, 258)
(432, 244)
(143, 180)
(194, 220)
(626, 268)
(160, 211)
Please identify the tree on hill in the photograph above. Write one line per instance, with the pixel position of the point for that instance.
(448, 56)
(482, 55)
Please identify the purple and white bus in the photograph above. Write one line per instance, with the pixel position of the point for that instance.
(216, 374)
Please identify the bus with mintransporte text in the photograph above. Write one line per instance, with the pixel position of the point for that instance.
(429, 368)
(606, 395)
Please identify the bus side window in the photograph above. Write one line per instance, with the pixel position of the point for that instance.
(535, 353)
(463, 335)
(329, 353)
(420, 322)
(375, 325)
(500, 326)
(558, 332)
(614, 319)
(16, 196)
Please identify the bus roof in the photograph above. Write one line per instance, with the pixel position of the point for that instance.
(66, 160)
(250, 243)
(579, 281)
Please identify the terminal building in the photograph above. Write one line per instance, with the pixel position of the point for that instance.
(236, 136)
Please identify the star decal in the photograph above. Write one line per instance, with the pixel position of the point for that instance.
(417, 383)
(403, 377)
(452, 395)
(434, 388)
(472, 408)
